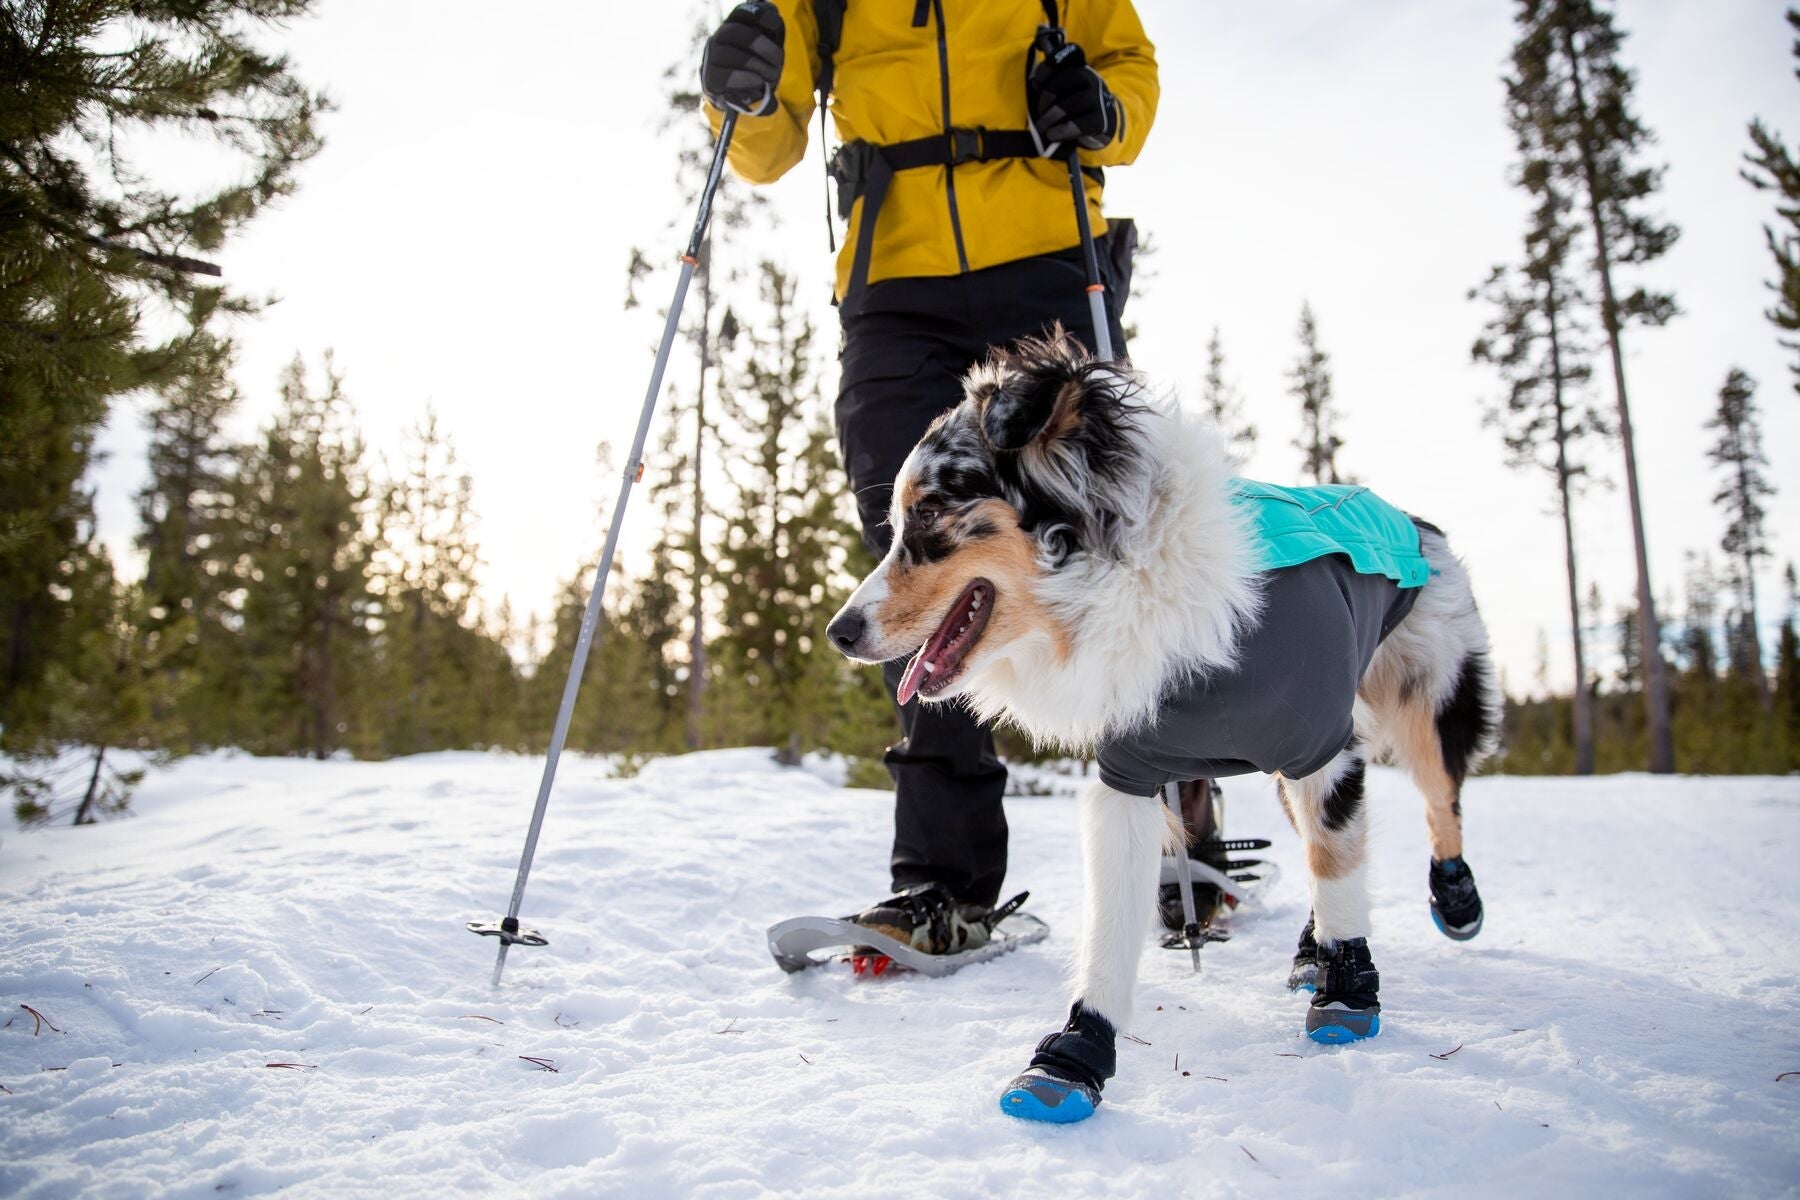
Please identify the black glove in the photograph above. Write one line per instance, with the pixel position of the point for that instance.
(741, 63)
(1070, 102)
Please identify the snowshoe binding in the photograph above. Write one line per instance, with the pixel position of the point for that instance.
(922, 928)
(1305, 971)
(930, 920)
(1062, 1084)
(1455, 902)
(1345, 1005)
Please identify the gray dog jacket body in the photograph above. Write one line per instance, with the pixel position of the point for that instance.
(1286, 706)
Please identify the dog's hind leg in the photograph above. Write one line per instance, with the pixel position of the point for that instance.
(1122, 838)
(1327, 808)
(1439, 745)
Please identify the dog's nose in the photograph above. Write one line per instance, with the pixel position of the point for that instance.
(846, 630)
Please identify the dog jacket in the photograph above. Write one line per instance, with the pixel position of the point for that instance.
(1342, 568)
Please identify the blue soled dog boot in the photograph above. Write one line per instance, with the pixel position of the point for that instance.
(1455, 903)
(1063, 1082)
(1345, 1005)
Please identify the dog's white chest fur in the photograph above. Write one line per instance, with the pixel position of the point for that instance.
(1172, 603)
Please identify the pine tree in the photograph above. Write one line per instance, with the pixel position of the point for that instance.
(1311, 385)
(709, 329)
(303, 538)
(91, 251)
(1536, 343)
(183, 513)
(783, 559)
(1775, 168)
(432, 649)
(1225, 407)
(1567, 79)
(103, 695)
(1787, 672)
(1738, 453)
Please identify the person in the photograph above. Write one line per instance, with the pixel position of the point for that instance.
(956, 119)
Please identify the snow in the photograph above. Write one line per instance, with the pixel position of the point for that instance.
(1622, 1018)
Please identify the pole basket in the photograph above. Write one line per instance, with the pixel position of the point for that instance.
(508, 931)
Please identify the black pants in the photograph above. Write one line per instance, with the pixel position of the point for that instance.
(906, 348)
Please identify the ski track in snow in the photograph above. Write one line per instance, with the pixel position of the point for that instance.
(1622, 1017)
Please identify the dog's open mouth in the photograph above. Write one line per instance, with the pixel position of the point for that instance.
(940, 660)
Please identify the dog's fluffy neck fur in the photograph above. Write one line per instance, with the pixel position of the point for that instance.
(1171, 605)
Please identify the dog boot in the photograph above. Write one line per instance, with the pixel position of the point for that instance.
(1306, 960)
(1344, 1006)
(1455, 904)
(1063, 1082)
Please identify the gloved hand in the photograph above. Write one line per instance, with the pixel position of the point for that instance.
(741, 63)
(1070, 102)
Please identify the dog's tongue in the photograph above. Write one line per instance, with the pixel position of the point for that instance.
(915, 675)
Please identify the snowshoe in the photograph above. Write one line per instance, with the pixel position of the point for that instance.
(922, 929)
(1306, 960)
(1345, 1005)
(1455, 902)
(1062, 1084)
(1221, 883)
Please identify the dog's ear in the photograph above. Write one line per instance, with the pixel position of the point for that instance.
(1033, 392)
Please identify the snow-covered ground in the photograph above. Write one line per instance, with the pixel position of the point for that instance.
(1621, 1021)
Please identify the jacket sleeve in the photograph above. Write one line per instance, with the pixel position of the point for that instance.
(764, 148)
(1113, 38)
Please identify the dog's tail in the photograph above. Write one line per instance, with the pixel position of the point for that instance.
(1175, 833)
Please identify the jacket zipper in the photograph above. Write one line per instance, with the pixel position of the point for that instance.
(962, 254)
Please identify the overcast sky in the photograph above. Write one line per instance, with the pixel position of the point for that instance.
(462, 242)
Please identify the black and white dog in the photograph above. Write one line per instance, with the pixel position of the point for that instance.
(1069, 555)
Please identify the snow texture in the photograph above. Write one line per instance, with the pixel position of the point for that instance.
(1617, 1028)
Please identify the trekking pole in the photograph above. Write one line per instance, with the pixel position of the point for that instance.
(508, 930)
(1051, 39)
(1096, 291)
(1184, 876)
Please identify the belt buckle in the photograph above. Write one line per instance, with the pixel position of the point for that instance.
(968, 145)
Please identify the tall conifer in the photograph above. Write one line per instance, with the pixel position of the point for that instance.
(1568, 79)
(1739, 456)
(1773, 167)
(1310, 383)
(1535, 341)
(1225, 406)
(90, 247)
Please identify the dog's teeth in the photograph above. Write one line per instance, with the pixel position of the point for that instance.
(975, 604)
(930, 666)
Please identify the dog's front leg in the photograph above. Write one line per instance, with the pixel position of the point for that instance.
(1121, 841)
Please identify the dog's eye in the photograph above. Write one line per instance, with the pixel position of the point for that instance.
(927, 515)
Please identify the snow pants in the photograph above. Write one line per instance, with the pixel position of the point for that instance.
(907, 343)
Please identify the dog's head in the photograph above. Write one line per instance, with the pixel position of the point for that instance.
(1028, 477)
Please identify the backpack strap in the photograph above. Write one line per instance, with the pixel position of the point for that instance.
(829, 15)
(864, 170)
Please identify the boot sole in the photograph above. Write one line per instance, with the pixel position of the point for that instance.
(1054, 1101)
(1335, 1026)
(1457, 933)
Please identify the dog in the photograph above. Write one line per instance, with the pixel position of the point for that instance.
(1076, 558)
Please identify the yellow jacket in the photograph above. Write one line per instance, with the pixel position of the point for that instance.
(890, 87)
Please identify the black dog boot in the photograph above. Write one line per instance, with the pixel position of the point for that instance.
(1306, 960)
(1345, 1005)
(1455, 904)
(1063, 1082)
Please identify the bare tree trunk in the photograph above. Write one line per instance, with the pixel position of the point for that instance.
(1656, 683)
(84, 813)
(697, 599)
(1583, 703)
